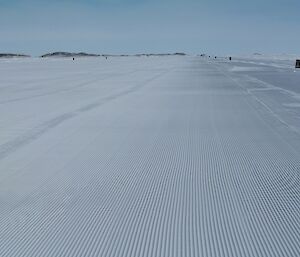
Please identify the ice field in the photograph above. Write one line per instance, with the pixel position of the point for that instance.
(150, 156)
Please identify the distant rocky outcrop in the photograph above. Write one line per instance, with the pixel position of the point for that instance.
(82, 54)
(68, 54)
(166, 54)
(183, 54)
(9, 55)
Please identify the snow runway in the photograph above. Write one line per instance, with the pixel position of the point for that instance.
(159, 156)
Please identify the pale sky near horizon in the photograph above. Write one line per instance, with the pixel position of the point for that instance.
(150, 26)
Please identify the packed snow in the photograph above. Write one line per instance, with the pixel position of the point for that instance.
(149, 156)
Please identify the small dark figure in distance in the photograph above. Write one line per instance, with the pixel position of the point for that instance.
(297, 64)
(230, 58)
(73, 58)
(106, 57)
(215, 57)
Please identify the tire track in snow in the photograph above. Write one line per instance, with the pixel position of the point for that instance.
(11, 146)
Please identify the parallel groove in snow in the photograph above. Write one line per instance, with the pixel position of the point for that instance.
(184, 166)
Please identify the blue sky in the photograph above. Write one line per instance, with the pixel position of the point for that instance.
(144, 26)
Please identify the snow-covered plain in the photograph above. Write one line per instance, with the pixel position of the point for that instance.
(158, 156)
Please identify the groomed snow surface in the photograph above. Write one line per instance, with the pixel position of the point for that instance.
(158, 156)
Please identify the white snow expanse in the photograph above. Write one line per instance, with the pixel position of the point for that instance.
(159, 156)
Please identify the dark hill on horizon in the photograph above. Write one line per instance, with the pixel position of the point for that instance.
(83, 54)
(68, 54)
(10, 55)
